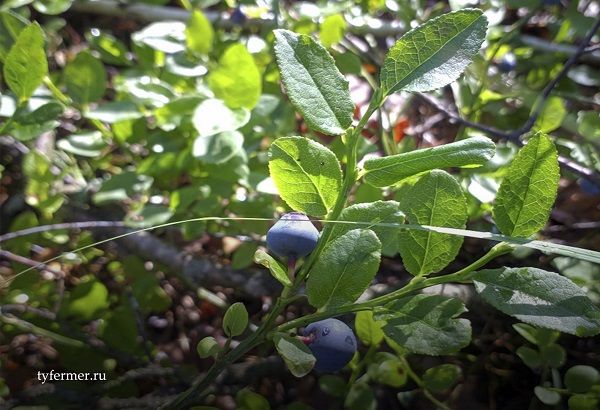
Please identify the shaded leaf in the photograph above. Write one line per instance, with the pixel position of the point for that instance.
(540, 298)
(344, 269)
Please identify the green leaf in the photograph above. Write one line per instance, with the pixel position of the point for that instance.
(373, 212)
(85, 78)
(149, 215)
(213, 116)
(86, 301)
(114, 112)
(385, 368)
(218, 148)
(277, 269)
(530, 357)
(551, 116)
(583, 402)
(244, 255)
(208, 347)
(296, 355)
(306, 174)
(52, 7)
(166, 36)
(236, 80)
(526, 195)
(111, 49)
(581, 378)
(43, 113)
(588, 125)
(344, 269)
(470, 152)
(435, 200)
(540, 298)
(246, 399)
(313, 82)
(235, 320)
(89, 144)
(440, 378)
(368, 330)
(434, 54)
(549, 397)
(199, 33)
(26, 66)
(11, 25)
(123, 186)
(333, 385)
(426, 324)
(360, 397)
(332, 30)
(537, 336)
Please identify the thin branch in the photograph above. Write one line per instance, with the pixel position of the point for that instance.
(550, 86)
(515, 135)
(22, 308)
(30, 262)
(65, 225)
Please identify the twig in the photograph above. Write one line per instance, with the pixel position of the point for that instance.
(550, 86)
(566, 163)
(22, 308)
(29, 262)
(65, 225)
(139, 322)
(31, 328)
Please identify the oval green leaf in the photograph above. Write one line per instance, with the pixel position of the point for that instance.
(540, 298)
(306, 174)
(435, 200)
(277, 269)
(236, 80)
(313, 82)
(296, 355)
(344, 269)
(218, 148)
(235, 320)
(434, 54)
(213, 116)
(199, 33)
(367, 329)
(377, 212)
(470, 152)
(426, 324)
(85, 78)
(26, 66)
(528, 191)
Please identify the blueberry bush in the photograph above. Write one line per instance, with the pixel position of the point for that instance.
(299, 205)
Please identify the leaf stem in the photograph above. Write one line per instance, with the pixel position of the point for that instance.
(417, 283)
(421, 385)
(60, 96)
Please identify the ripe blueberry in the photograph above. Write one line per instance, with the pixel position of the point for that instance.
(507, 63)
(332, 343)
(292, 236)
(237, 16)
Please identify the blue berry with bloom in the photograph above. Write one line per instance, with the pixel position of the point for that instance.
(293, 236)
(332, 343)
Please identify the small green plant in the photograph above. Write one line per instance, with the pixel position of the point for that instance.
(339, 267)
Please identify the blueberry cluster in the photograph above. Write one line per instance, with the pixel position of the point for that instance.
(331, 341)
